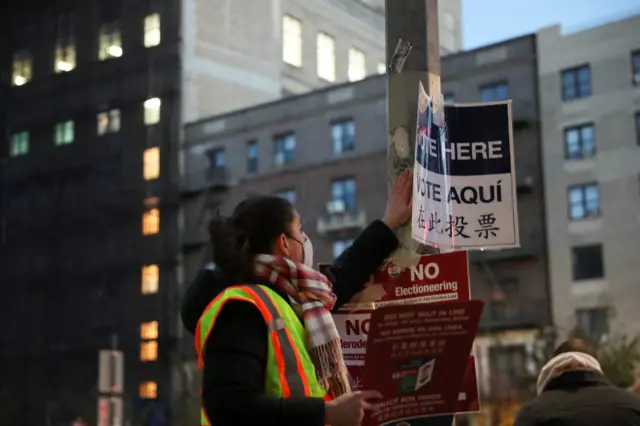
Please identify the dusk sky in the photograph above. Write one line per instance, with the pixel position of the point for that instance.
(489, 21)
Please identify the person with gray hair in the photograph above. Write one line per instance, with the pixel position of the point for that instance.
(573, 391)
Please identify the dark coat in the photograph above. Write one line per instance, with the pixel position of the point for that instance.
(236, 352)
(581, 398)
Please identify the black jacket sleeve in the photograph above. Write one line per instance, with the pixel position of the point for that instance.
(353, 269)
(204, 288)
(233, 379)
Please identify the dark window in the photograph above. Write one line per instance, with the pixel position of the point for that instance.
(507, 365)
(110, 10)
(638, 128)
(449, 98)
(494, 92)
(576, 83)
(284, 149)
(64, 27)
(583, 201)
(579, 142)
(587, 262)
(635, 67)
(289, 194)
(217, 163)
(343, 134)
(23, 30)
(594, 322)
(343, 195)
(340, 246)
(252, 156)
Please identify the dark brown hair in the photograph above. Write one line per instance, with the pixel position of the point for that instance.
(252, 229)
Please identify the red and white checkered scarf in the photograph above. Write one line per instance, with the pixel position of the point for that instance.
(312, 299)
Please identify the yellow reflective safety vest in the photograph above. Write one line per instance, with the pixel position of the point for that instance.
(290, 371)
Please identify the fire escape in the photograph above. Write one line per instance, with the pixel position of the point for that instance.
(202, 194)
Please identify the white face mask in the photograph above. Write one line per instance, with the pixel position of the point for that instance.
(307, 250)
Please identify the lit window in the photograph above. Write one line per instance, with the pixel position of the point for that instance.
(22, 64)
(152, 30)
(148, 390)
(152, 111)
(151, 216)
(326, 57)
(19, 144)
(149, 351)
(382, 68)
(109, 42)
(108, 122)
(64, 58)
(635, 67)
(64, 133)
(357, 64)
(151, 163)
(149, 330)
(150, 279)
(292, 41)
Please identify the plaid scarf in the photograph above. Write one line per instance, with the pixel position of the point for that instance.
(312, 299)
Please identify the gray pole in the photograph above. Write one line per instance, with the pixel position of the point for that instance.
(413, 56)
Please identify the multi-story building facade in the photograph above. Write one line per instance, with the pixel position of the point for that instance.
(324, 151)
(590, 110)
(95, 94)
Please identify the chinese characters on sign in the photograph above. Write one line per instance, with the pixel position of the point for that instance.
(417, 358)
(464, 177)
(436, 278)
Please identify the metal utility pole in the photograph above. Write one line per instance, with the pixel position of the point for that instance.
(413, 56)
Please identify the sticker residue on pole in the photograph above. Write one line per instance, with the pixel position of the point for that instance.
(399, 56)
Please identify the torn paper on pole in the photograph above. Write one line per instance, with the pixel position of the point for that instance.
(464, 177)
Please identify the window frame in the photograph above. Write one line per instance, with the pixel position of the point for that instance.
(493, 88)
(579, 128)
(253, 161)
(583, 187)
(635, 72)
(578, 278)
(289, 194)
(344, 180)
(575, 71)
(282, 138)
(341, 123)
(588, 311)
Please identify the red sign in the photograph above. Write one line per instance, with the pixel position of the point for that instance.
(417, 358)
(435, 278)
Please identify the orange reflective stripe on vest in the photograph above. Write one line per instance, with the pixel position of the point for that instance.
(292, 375)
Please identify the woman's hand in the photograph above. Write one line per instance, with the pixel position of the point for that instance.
(349, 409)
(398, 210)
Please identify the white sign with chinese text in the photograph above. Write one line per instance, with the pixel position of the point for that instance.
(464, 178)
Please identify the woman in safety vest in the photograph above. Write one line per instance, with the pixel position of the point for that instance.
(262, 320)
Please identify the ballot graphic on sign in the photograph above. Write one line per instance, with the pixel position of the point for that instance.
(425, 373)
(464, 177)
